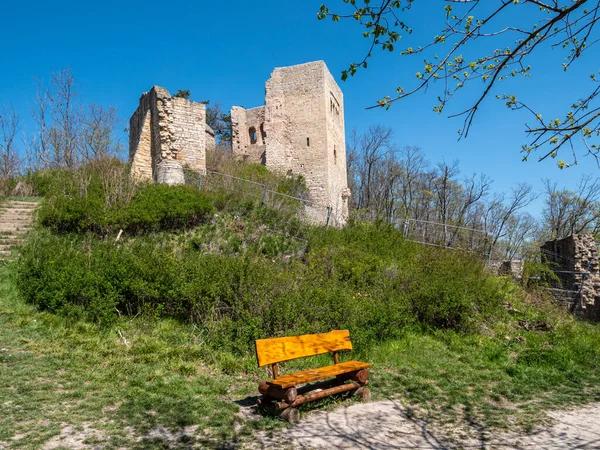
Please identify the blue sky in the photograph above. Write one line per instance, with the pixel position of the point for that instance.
(225, 51)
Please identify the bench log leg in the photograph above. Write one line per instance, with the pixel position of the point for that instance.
(319, 385)
(292, 415)
(363, 393)
(280, 406)
(360, 376)
(270, 390)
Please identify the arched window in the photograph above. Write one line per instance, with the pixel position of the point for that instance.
(252, 132)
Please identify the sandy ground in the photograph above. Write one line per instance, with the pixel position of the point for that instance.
(383, 425)
(387, 426)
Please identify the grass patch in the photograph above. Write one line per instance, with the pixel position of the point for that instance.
(143, 374)
(55, 373)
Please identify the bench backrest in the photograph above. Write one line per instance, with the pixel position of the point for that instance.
(276, 350)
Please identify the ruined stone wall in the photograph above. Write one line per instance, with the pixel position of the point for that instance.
(336, 149)
(248, 139)
(188, 125)
(302, 133)
(211, 139)
(140, 141)
(167, 134)
(296, 126)
(578, 253)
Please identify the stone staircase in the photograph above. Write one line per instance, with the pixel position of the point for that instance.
(16, 219)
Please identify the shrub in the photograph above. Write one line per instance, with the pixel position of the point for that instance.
(160, 207)
(363, 278)
(95, 207)
(45, 182)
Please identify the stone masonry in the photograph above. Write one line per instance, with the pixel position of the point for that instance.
(578, 255)
(298, 131)
(167, 134)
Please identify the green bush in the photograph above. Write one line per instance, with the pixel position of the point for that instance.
(151, 208)
(539, 275)
(159, 207)
(46, 182)
(363, 278)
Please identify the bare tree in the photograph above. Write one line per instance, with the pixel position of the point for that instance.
(369, 156)
(10, 161)
(58, 117)
(413, 164)
(38, 147)
(501, 212)
(502, 38)
(572, 212)
(521, 229)
(67, 132)
(446, 189)
(98, 138)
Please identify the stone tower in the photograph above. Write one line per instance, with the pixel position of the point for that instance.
(167, 134)
(300, 131)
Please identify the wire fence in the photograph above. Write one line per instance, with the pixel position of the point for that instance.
(295, 209)
(447, 236)
(302, 209)
(252, 192)
(566, 277)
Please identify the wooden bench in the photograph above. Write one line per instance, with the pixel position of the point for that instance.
(284, 393)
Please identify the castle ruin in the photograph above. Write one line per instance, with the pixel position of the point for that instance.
(167, 133)
(576, 259)
(298, 131)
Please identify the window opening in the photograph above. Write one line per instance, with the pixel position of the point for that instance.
(263, 133)
(252, 132)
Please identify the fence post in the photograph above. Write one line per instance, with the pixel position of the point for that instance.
(405, 230)
(489, 259)
(264, 197)
(329, 209)
(201, 183)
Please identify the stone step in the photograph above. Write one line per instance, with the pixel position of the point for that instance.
(6, 217)
(5, 253)
(21, 202)
(12, 243)
(18, 212)
(28, 211)
(12, 232)
(6, 207)
(8, 237)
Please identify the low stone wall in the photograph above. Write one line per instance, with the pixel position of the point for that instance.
(578, 255)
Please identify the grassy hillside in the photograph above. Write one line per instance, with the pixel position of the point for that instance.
(158, 327)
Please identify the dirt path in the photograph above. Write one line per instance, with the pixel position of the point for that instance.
(387, 426)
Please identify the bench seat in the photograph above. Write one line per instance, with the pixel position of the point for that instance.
(307, 376)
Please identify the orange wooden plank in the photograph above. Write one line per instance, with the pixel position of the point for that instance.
(294, 379)
(269, 351)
